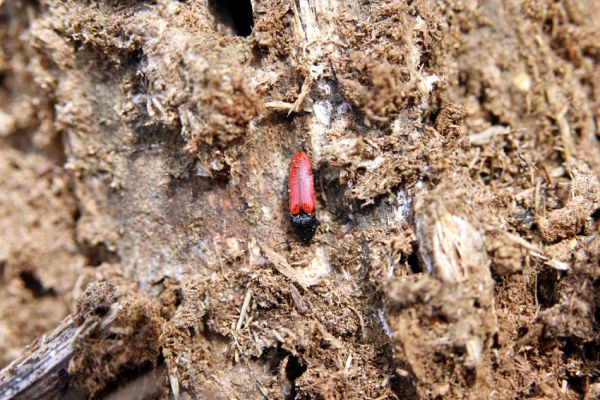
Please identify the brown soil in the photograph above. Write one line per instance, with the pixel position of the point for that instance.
(144, 149)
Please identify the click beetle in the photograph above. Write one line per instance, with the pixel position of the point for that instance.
(301, 192)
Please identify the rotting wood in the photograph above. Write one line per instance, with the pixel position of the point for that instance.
(41, 371)
(375, 69)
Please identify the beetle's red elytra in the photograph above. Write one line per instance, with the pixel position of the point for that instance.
(301, 192)
(301, 185)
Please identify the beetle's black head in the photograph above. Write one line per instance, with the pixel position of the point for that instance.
(304, 225)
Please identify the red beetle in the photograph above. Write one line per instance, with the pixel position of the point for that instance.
(301, 191)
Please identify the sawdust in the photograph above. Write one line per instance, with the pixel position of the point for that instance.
(129, 346)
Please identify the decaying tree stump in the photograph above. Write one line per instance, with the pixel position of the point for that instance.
(145, 148)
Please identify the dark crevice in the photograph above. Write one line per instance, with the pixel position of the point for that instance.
(273, 357)
(470, 377)
(546, 288)
(574, 348)
(495, 341)
(76, 214)
(522, 331)
(293, 370)
(571, 348)
(495, 119)
(402, 381)
(577, 383)
(591, 351)
(35, 286)
(98, 253)
(236, 14)
(413, 260)
(597, 302)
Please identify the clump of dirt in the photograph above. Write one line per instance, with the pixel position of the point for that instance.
(272, 29)
(101, 362)
(455, 147)
(576, 215)
(570, 310)
(392, 77)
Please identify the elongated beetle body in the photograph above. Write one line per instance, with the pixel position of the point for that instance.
(301, 192)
